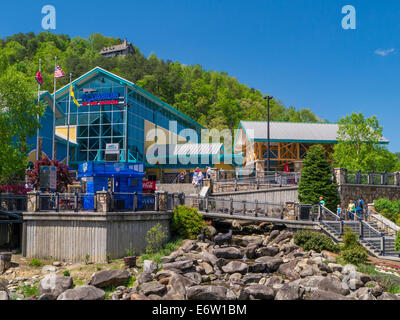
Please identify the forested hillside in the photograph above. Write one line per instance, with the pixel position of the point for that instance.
(212, 98)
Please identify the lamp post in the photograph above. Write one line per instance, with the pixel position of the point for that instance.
(268, 133)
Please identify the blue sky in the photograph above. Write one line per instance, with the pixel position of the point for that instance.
(294, 50)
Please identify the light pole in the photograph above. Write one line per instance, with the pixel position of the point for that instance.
(268, 133)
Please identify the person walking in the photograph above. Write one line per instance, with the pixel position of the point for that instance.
(359, 208)
(208, 173)
(201, 178)
(339, 211)
(351, 210)
(195, 180)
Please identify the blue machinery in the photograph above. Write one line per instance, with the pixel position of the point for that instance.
(121, 178)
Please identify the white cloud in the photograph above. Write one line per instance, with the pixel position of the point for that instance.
(384, 53)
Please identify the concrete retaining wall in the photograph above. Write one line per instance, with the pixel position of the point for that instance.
(70, 236)
(271, 195)
(186, 188)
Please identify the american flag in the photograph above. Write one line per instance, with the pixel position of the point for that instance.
(58, 73)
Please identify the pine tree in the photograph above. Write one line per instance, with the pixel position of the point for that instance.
(316, 179)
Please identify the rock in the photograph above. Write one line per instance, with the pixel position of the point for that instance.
(3, 285)
(367, 296)
(307, 272)
(83, 293)
(388, 296)
(267, 251)
(261, 292)
(48, 268)
(194, 276)
(57, 264)
(235, 278)
(207, 268)
(355, 284)
(290, 248)
(164, 281)
(188, 245)
(212, 231)
(54, 285)
(326, 295)
(110, 278)
(171, 257)
(289, 291)
(332, 284)
(253, 240)
(209, 257)
(377, 290)
(235, 266)
(228, 253)
(46, 296)
(157, 288)
(365, 277)
(221, 262)
(250, 251)
(252, 278)
(149, 266)
(137, 296)
(179, 283)
(145, 277)
(273, 281)
(206, 293)
(273, 234)
(335, 267)
(287, 269)
(283, 236)
(349, 268)
(271, 263)
(3, 296)
(180, 265)
(5, 261)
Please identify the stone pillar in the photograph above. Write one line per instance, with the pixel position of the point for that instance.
(214, 174)
(33, 201)
(340, 175)
(397, 178)
(298, 166)
(290, 211)
(103, 201)
(162, 201)
(260, 168)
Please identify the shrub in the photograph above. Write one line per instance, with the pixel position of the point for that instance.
(36, 263)
(397, 242)
(155, 238)
(355, 255)
(350, 239)
(312, 240)
(187, 222)
(67, 273)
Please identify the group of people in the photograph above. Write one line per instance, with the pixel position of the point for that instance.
(354, 210)
(198, 178)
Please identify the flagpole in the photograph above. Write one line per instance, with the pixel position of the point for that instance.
(38, 118)
(54, 112)
(69, 110)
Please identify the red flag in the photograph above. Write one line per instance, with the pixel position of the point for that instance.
(39, 78)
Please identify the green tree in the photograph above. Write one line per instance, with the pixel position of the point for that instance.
(316, 179)
(18, 111)
(359, 147)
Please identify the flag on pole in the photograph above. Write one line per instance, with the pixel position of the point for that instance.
(58, 73)
(39, 78)
(73, 97)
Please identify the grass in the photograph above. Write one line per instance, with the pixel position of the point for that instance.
(29, 291)
(36, 263)
(131, 282)
(165, 251)
(389, 283)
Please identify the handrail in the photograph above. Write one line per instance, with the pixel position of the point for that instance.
(337, 218)
(386, 222)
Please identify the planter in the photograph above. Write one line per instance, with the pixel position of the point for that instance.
(130, 262)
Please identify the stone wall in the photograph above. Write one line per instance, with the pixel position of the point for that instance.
(186, 188)
(368, 193)
(70, 236)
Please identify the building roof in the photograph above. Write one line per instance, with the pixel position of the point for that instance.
(119, 47)
(305, 132)
(98, 70)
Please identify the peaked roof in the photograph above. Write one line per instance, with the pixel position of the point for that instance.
(306, 132)
(98, 70)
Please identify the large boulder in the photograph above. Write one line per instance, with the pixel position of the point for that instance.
(3, 285)
(252, 278)
(287, 269)
(228, 253)
(283, 236)
(180, 265)
(157, 288)
(273, 234)
(3, 296)
(326, 295)
(194, 276)
(149, 266)
(145, 277)
(259, 291)
(83, 293)
(272, 264)
(388, 296)
(208, 269)
(54, 285)
(235, 267)
(267, 251)
(5, 261)
(206, 293)
(179, 283)
(333, 284)
(107, 278)
(209, 257)
(289, 291)
(253, 240)
(250, 251)
(171, 257)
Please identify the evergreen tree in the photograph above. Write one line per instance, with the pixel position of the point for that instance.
(316, 179)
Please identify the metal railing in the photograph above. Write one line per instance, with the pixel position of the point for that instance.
(13, 202)
(372, 178)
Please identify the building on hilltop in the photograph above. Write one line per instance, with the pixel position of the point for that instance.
(122, 49)
(289, 142)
